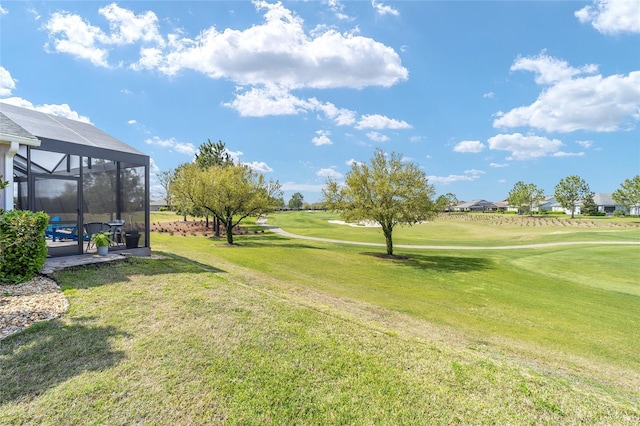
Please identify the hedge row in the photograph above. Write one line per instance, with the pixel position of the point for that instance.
(23, 249)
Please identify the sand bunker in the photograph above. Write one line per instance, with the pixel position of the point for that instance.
(363, 224)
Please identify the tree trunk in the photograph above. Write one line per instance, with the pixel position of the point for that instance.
(216, 226)
(387, 231)
(229, 229)
(207, 221)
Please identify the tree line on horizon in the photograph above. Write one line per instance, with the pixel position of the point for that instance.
(386, 190)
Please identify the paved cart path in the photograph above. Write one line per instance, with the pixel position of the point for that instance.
(275, 229)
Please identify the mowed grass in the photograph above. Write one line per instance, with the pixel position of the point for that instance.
(476, 229)
(287, 331)
(565, 305)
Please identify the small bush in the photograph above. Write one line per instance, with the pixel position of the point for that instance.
(23, 249)
(619, 212)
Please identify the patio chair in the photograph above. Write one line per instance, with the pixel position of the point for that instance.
(49, 232)
(117, 235)
(92, 228)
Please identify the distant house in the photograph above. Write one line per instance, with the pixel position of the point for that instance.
(503, 206)
(157, 205)
(605, 203)
(556, 207)
(546, 204)
(476, 206)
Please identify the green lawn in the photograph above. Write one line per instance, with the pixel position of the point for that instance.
(468, 229)
(288, 331)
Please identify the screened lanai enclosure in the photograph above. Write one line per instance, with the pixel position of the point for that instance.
(84, 179)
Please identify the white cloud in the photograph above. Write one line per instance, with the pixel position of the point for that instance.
(474, 172)
(70, 33)
(7, 83)
(302, 187)
(612, 16)
(524, 147)
(416, 139)
(352, 161)
(296, 59)
(132, 122)
(73, 35)
(338, 9)
(329, 173)
(259, 166)
(568, 154)
(469, 146)
(499, 165)
(153, 166)
(550, 70)
(235, 155)
(376, 121)
(585, 144)
(377, 137)
(172, 144)
(277, 100)
(468, 176)
(34, 12)
(323, 58)
(594, 103)
(62, 110)
(489, 95)
(128, 28)
(265, 101)
(340, 116)
(267, 60)
(322, 138)
(382, 9)
(3, 11)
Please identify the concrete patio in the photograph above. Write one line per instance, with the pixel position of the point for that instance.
(53, 264)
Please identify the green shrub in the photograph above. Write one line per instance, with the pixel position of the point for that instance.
(23, 249)
(619, 212)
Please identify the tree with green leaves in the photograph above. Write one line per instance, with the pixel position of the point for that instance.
(628, 194)
(446, 201)
(388, 191)
(296, 201)
(230, 193)
(570, 191)
(165, 177)
(589, 206)
(525, 196)
(213, 154)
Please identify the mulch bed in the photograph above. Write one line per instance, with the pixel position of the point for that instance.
(196, 228)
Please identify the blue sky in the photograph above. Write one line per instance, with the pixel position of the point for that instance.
(480, 94)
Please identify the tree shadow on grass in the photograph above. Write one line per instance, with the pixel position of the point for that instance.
(89, 276)
(439, 263)
(263, 240)
(50, 353)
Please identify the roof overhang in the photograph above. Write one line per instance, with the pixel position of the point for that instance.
(22, 140)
